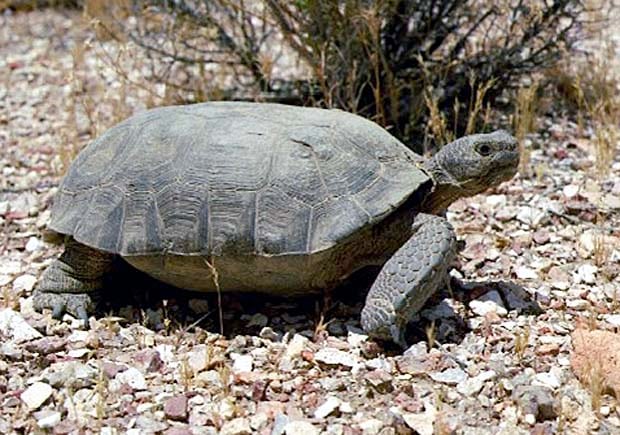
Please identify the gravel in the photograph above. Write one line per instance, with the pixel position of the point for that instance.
(509, 349)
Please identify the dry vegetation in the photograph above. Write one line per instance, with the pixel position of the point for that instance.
(425, 70)
(305, 52)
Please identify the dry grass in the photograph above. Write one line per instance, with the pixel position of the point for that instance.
(478, 116)
(595, 382)
(524, 121)
(216, 282)
(431, 335)
(590, 87)
(29, 5)
(521, 341)
(602, 251)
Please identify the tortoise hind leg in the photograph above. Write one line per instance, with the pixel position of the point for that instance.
(409, 278)
(72, 281)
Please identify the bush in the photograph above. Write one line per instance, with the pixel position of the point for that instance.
(413, 66)
(27, 5)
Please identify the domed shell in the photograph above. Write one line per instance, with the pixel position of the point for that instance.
(233, 178)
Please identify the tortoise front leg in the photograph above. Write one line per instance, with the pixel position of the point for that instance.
(70, 283)
(409, 278)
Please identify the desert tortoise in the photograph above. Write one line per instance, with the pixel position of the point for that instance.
(279, 199)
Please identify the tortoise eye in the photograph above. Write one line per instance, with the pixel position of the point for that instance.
(483, 149)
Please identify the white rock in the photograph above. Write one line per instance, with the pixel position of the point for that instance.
(77, 336)
(34, 244)
(132, 377)
(490, 302)
(570, 190)
(587, 242)
(4, 207)
(5, 279)
(613, 319)
(227, 408)
(524, 272)
(145, 407)
(547, 379)
(294, 347)
(577, 304)
(472, 386)
(198, 359)
(24, 282)
(236, 426)
(242, 363)
(300, 427)
(44, 219)
(495, 200)
(423, 423)
(11, 267)
(167, 353)
(372, 426)
(268, 333)
(586, 273)
(531, 216)
(13, 326)
(355, 339)
(335, 429)
(451, 376)
(611, 201)
(346, 408)
(379, 363)
(258, 421)
(330, 405)
(36, 394)
(560, 285)
(25, 203)
(47, 419)
(67, 373)
(78, 353)
(492, 254)
(336, 357)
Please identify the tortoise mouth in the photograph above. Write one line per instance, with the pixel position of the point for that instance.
(503, 170)
(506, 167)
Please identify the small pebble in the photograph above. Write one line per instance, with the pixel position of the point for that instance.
(329, 406)
(36, 394)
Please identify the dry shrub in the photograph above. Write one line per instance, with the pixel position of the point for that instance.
(418, 67)
(595, 361)
(524, 120)
(28, 5)
(600, 99)
(589, 89)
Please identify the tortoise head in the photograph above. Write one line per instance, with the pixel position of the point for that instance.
(471, 165)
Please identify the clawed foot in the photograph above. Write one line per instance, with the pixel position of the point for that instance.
(76, 304)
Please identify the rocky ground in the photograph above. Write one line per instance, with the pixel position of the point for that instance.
(534, 301)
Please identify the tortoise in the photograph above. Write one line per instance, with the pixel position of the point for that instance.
(278, 199)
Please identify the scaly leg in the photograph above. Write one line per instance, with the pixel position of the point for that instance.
(409, 278)
(71, 282)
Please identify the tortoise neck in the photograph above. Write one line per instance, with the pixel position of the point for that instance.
(440, 199)
(446, 189)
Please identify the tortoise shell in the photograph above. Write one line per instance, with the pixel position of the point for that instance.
(234, 178)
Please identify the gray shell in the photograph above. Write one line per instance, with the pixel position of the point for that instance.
(238, 178)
